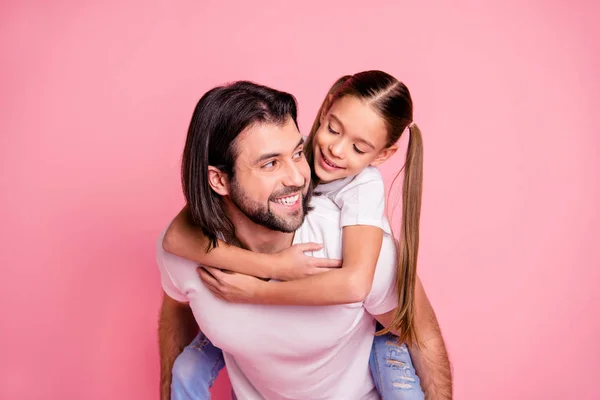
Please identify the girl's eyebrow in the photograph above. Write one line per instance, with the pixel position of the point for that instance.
(333, 116)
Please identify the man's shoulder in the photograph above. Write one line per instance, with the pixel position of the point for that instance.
(176, 273)
(166, 259)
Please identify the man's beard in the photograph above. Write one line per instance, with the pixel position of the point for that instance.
(262, 215)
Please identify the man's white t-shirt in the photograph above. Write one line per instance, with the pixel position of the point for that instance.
(293, 352)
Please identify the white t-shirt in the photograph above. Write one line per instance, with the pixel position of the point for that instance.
(361, 199)
(292, 352)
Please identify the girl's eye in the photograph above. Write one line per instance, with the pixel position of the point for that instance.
(358, 150)
(331, 130)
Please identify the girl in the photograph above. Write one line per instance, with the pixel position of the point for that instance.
(357, 128)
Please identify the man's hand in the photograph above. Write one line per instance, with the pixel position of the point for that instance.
(429, 356)
(231, 286)
(176, 329)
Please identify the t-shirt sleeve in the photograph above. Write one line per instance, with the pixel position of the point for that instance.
(169, 264)
(384, 293)
(362, 201)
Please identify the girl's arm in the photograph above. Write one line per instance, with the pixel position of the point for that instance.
(349, 284)
(188, 241)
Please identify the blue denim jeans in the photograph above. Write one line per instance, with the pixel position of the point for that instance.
(197, 367)
(393, 370)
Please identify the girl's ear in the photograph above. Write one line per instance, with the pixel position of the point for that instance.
(384, 155)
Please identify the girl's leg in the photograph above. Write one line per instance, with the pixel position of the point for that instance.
(393, 371)
(196, 369)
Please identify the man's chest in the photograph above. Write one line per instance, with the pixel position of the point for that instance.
(246, 330)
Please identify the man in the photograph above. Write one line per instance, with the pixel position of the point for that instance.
(276, 352)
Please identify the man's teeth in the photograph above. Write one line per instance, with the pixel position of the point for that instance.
(288, 201)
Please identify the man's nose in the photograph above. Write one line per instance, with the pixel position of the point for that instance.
(294, 176)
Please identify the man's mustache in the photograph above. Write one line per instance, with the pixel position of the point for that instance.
(288, 191)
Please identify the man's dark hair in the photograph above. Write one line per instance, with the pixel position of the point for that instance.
(219, 117)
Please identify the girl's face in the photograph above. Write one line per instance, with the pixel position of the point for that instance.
(351, 137)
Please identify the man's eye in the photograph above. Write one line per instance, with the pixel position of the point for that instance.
(269, 165)
(299, 154)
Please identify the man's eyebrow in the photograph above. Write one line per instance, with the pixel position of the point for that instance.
(266, 157)
(275, 155)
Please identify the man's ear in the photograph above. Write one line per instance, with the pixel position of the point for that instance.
(218, 180)
(384, 155)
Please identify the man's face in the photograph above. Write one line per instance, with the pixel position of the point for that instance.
(271, 177)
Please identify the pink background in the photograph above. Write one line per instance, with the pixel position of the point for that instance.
(95, 99)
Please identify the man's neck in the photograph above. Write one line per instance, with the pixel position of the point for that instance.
(257, 238)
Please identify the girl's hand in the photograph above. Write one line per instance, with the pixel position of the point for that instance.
(231, 286)
(292, 263)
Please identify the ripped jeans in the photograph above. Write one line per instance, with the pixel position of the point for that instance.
(393, 370)
(197, 367)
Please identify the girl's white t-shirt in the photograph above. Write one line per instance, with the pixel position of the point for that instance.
(361, 199)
